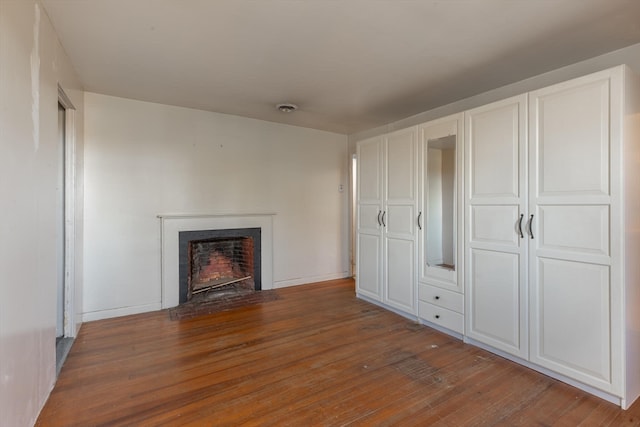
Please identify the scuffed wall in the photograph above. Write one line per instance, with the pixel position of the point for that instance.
(32, 64)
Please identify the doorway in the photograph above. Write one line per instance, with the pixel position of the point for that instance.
(66, 305)
(60, 224)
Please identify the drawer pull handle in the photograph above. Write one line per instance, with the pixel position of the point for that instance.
(436, 297)
(437, 316)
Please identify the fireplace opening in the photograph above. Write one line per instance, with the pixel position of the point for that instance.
(218, 261)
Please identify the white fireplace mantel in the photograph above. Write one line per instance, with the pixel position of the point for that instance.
(172, 224)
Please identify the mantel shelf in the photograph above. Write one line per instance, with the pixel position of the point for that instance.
(213, 215)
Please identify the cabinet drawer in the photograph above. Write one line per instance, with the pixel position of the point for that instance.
(441, 316)
(441, 297)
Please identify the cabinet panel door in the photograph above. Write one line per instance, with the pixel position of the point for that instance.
(400, 289)
(570, 191)
(369, 218)
(494, 310)
(369, 263)
(369, 211)
(571, 320)
(489, 225)
(400, 220)
(495, 202)
(370, 170)
(494, 136)
(570, 140)
(401, 166)
(575, 231)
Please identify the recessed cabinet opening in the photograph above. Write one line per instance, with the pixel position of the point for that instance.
(440, 185)
(440, 223)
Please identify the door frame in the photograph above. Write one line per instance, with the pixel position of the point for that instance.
(70, 323)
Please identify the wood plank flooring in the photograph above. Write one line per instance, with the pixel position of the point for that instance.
(316, 357)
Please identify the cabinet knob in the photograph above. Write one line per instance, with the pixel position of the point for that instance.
(437, 316)
(437, 297)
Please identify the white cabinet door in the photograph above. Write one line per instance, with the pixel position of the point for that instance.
(369, 198)
(570, 222)
(399, 219)
(495, 215)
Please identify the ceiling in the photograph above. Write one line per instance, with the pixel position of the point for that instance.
(349, 65)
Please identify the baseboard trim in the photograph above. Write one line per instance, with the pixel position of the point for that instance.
(309, 279)
(122, 311)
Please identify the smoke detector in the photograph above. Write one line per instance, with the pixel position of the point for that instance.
(287, 107)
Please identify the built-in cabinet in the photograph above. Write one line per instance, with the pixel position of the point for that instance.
(516, 226)
(496, 220)
(387, 236)
(369, 210)
(576, 238)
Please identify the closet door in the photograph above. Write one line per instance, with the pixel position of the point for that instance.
(399, 219)
(369, 213)
(570, 229)
(495, 216)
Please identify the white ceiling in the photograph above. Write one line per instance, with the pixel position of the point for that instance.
(350, 65)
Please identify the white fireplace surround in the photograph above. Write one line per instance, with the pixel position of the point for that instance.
(172, 224)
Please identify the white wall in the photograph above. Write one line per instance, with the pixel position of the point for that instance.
(32, 63)
(144, 159)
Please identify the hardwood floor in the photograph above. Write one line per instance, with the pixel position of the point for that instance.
(317, 356)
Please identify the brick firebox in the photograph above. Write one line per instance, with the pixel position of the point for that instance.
(211, 258)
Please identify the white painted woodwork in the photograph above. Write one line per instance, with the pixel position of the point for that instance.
(572, 320)
(441, 297)
(369, 267)
(575, 230)
(570, 144)
(60, 228)
(573, 273)
(575, 287)
(400, 167)
(494, 308)
(495, 202)
(440, 316)
(551, 232)
(386, 204)
(626, 224)
(399, 267)
(399, 220)
(486, 225)
(370, 171)
(450, 130)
